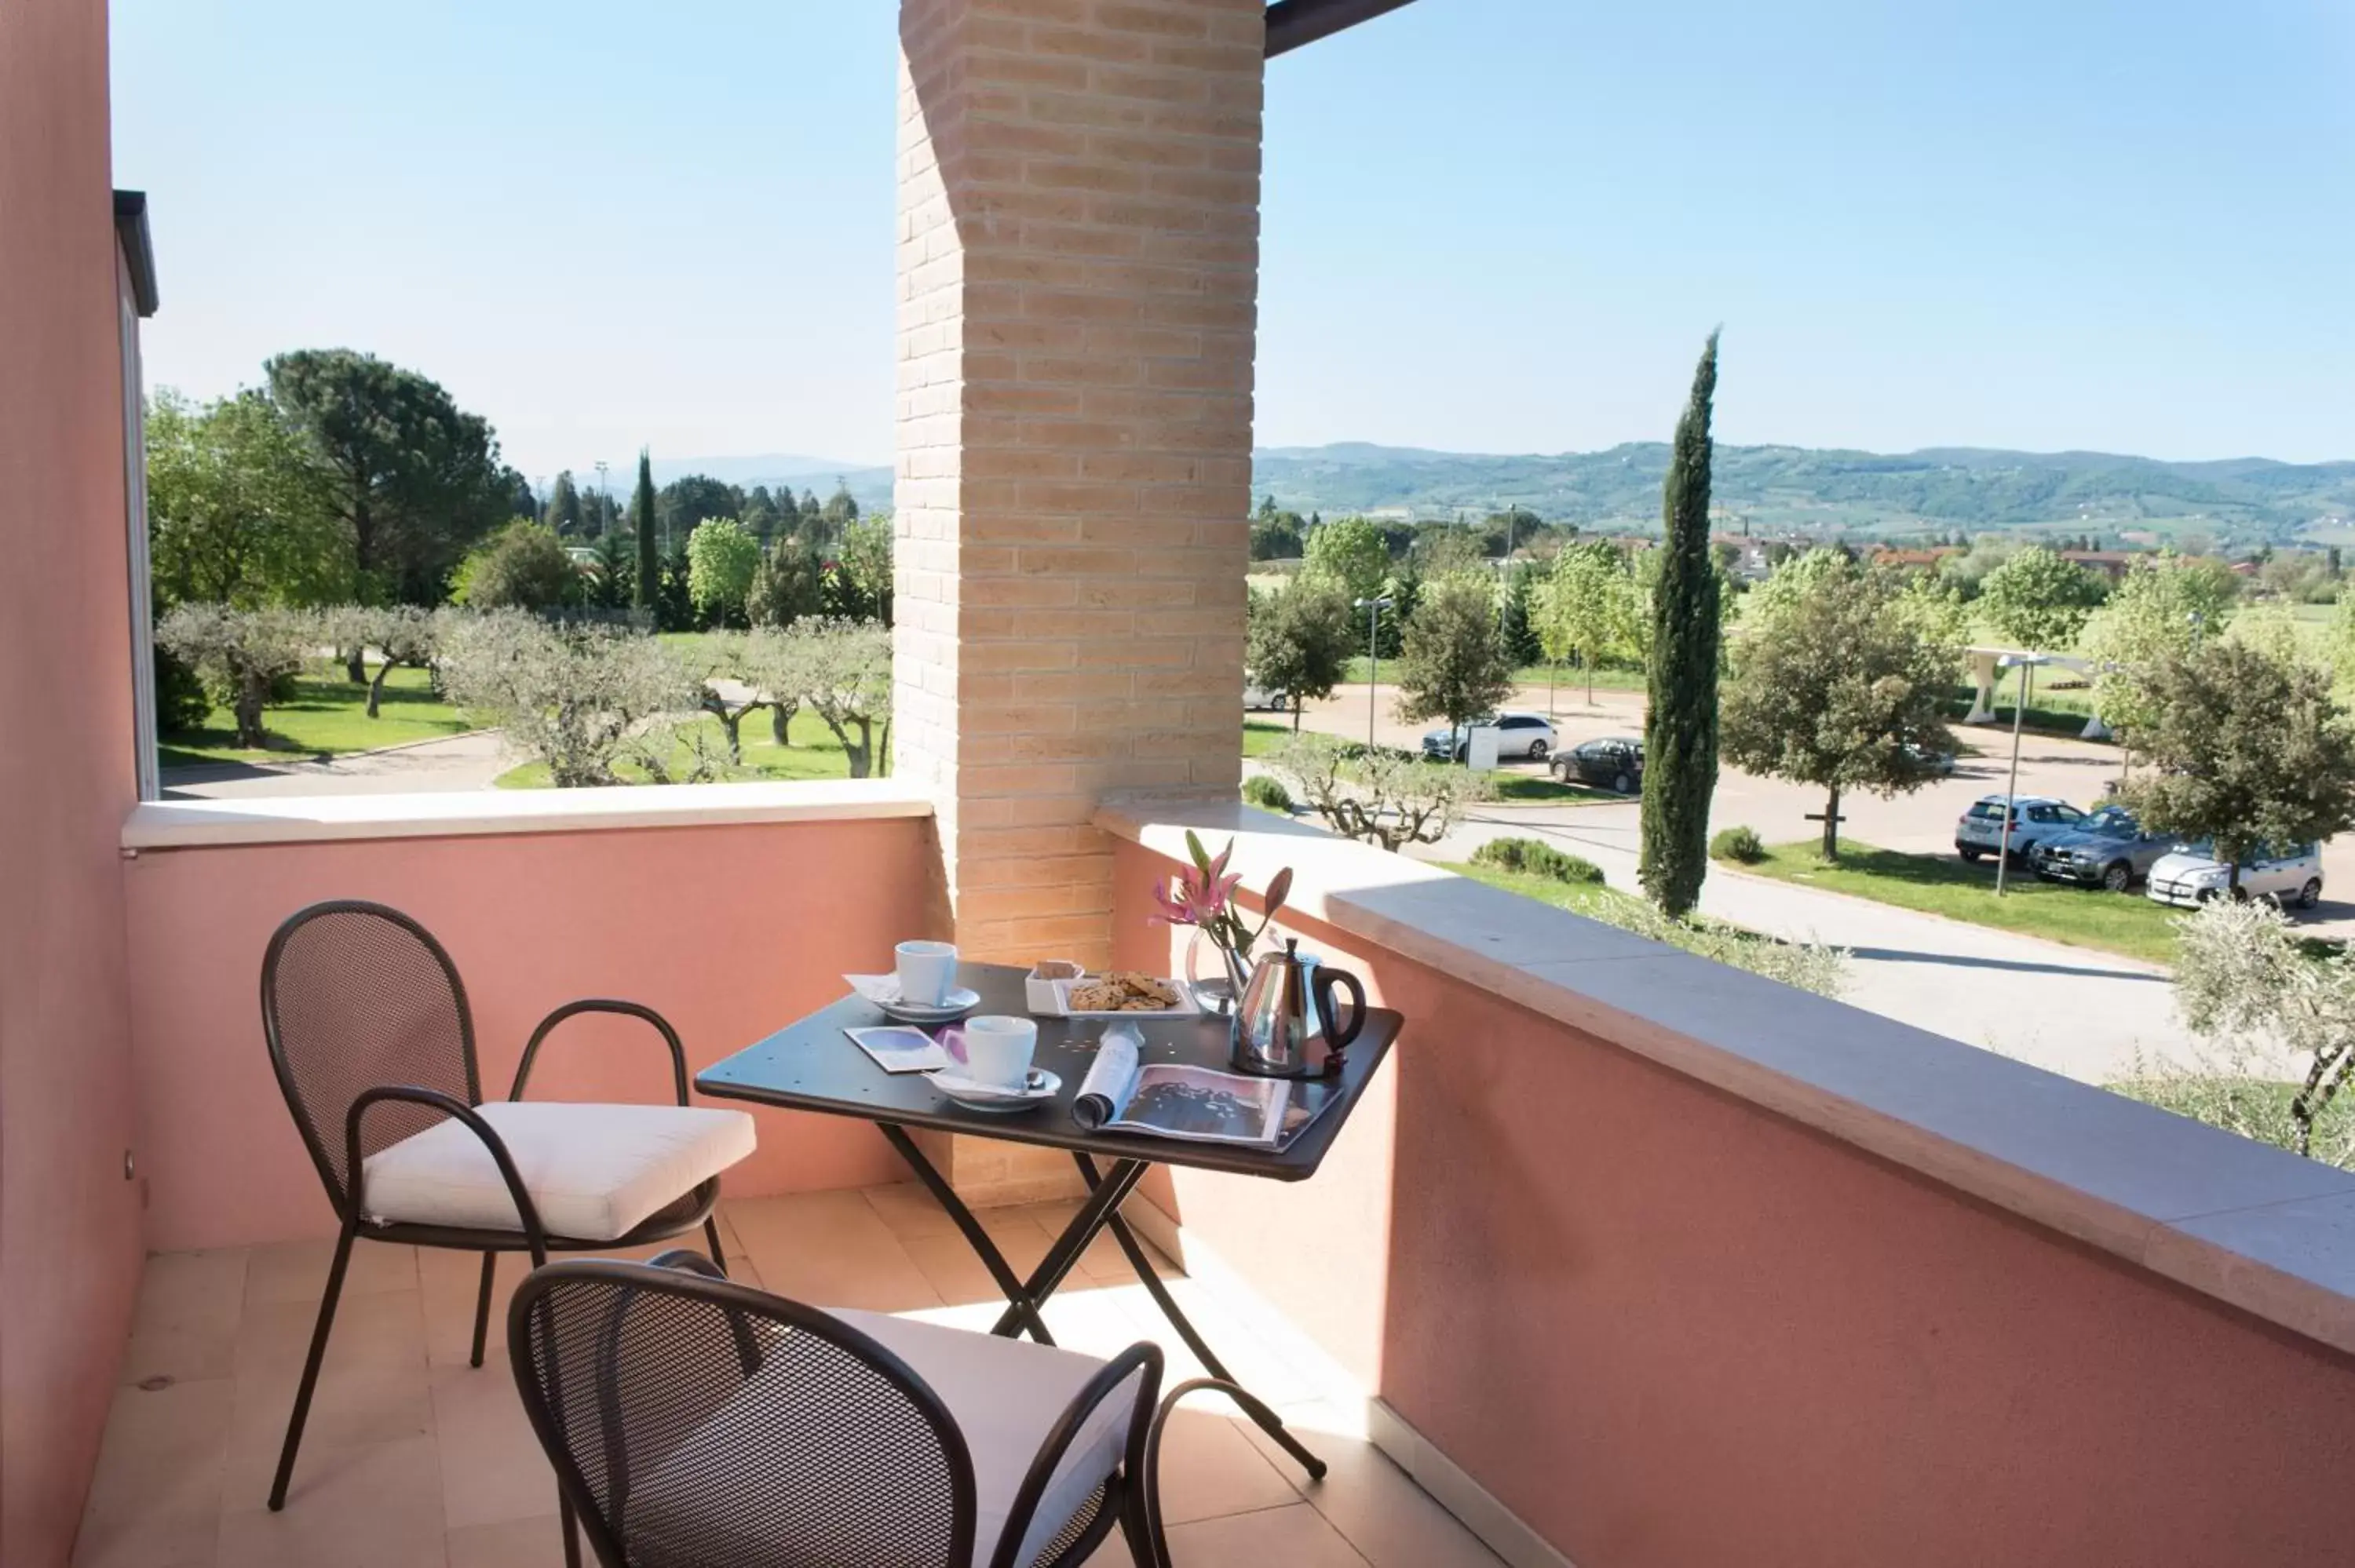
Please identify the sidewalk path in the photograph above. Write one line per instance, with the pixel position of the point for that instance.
(458, 762)
(2073, 1010)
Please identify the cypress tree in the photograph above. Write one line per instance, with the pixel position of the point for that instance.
(1680, 725)
(642, 519)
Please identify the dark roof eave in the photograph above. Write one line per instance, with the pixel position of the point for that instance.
(1293, 23)
(138, 249)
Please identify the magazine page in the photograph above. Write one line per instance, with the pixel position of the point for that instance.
(1205, 1104)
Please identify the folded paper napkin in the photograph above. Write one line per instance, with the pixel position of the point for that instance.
(879, 990)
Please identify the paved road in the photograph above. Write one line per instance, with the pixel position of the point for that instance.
(2073, 1010)
(460, 762)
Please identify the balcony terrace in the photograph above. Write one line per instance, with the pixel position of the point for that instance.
(1628, 1260)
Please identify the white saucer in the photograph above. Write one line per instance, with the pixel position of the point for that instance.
(951, 1081)
(960, 1003)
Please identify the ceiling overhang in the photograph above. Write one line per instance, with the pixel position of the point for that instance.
(1291, 23)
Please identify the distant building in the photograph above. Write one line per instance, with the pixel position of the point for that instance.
(2111, 564)
(1925, 560)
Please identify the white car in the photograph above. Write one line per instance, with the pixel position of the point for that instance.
(1518, 735)
(2193, 875)
(2034, 818)
(1257, 697)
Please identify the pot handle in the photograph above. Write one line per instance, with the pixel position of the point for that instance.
(1321, 984)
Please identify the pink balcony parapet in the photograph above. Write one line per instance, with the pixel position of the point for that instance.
(1663, 1323)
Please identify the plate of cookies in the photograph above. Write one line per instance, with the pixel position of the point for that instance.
(1123, 994)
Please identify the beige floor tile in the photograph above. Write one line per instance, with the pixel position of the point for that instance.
(277, 1334)
(449, 1281)
(910, 1210)
(730, 1243)
(1391, 1521)
(1258, 1365)
(155, 1501)
(185, 1325)
(1297, 1537)
(510, 1544)
(956, 1272)
(373, 1387)
(378, 1506)
(493, 1467)
(1209, 1469)
(297, 1271)
(830, 1249)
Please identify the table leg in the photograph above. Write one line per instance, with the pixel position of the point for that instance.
(1022, 1309)
(1264, 1418)
(1103, 1204)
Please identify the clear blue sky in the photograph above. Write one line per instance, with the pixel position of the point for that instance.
(1491, 225)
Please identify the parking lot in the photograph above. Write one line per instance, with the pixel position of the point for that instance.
(1921, 822)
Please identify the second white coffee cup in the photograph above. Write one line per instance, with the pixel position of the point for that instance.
(927, 971)
(997, 1050)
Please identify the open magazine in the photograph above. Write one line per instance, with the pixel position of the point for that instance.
(1165, 1099)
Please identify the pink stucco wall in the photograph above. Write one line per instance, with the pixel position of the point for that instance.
(1669, 1329)
(68, 1226)
(729, 931)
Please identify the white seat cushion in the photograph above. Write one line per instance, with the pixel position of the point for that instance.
(594, 1172)
(1003, 1394)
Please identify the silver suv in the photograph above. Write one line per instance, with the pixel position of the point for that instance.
(2034, 819)
(2193, 875)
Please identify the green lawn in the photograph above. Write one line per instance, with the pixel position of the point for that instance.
(1590, 898)
(1544, 789)
(1263, 736)
(1945, 884)
(814, 754)
(328, 717)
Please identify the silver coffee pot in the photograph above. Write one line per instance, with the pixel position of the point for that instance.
(1277, 1024)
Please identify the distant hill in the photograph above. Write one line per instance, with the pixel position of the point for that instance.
(870, 484)
(1779, 489)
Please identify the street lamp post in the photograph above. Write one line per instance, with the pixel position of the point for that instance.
(2023, 662)
(1374, 609)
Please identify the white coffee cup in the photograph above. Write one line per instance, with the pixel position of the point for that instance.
(997, 1050)
(927, 971)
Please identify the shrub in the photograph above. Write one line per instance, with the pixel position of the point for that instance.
(2254, 1107)
(1741, 844)
(1531, 858)
(181, 702)
(1267, 794)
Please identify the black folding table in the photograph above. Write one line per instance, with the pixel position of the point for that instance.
(813, 1065)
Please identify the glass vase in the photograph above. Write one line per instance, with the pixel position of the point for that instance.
(1215, 975)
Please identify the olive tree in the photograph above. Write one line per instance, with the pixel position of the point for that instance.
(1380, 797)
(2244, 980)
(583, 699)
(401, 634)
(2248, 749)
(841, 669)
(240, 654)
(1834, 682)
(1452, 663)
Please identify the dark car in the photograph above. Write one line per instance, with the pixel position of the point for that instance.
(1614, 762)
(2108, 848)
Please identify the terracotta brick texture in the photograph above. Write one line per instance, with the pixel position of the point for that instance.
(1078, 287)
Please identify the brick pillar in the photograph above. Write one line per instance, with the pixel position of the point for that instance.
(1079, 247)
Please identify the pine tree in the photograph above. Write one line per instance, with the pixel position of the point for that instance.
(648, 584)
(1681, 725)
(564, 505)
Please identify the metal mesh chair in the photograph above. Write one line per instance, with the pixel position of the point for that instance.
(695, 1423)
(372, 1044)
